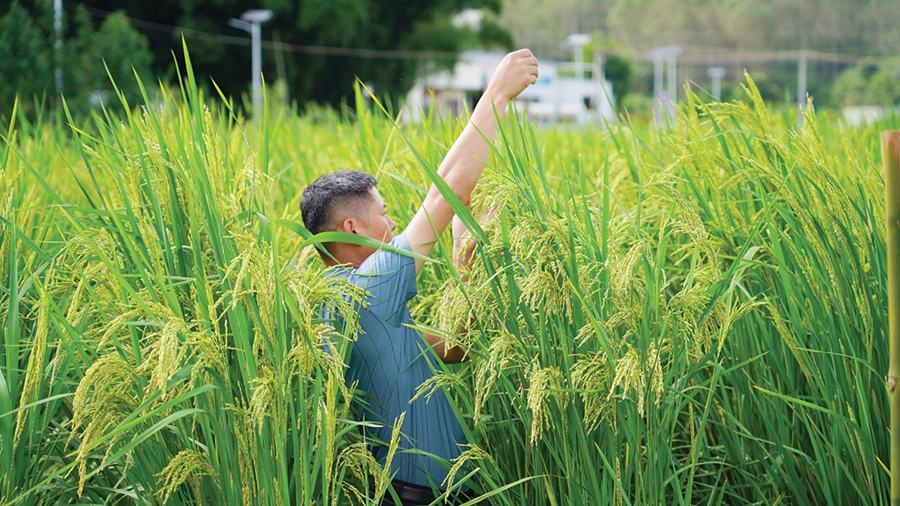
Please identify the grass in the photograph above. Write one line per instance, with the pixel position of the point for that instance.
(692, 314)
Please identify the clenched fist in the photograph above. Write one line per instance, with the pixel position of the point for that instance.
(517, 71)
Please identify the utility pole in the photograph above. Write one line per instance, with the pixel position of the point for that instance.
(657, 86)
(599, 60)
(58, 47)
(279, 62)
(672, 88)
(801, 88)
(664, 100)
(716, 73)
(250, 22)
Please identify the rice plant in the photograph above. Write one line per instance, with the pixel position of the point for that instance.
(690, 314)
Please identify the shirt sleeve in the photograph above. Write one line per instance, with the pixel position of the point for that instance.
(390, 279)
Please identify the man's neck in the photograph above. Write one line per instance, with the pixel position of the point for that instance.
(342, 257)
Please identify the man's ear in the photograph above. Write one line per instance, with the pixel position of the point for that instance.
(348, 225)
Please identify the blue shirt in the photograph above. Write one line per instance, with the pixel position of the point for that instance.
(390, 359)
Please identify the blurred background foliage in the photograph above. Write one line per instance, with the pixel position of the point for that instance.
(330, 43)
(29, 72)
(868, 84)
(91, 35)
(866, 33)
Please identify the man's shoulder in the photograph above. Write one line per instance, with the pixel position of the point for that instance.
(389, 278)
(384, 261)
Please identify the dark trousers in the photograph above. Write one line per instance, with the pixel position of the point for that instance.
(415, 495)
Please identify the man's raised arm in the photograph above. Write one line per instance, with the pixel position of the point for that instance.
(465, 161)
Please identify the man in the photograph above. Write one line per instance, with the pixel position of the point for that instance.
(389, 359)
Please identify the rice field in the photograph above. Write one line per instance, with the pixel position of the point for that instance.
(690, 314)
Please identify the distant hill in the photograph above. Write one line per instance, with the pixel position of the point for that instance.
(855, 26)
(758, 36)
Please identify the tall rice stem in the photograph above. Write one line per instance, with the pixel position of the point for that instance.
(890, 149)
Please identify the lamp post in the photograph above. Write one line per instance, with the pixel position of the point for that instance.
(250, 22)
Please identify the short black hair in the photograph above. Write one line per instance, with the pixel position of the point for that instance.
(322, 197)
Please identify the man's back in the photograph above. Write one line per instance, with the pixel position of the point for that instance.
(390, 360)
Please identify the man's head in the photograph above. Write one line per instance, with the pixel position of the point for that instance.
(346, 201)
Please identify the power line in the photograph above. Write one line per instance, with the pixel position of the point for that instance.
(690, 57)
(188, 33)
(704, 58)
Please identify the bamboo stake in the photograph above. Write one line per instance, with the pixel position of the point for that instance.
(890, 152)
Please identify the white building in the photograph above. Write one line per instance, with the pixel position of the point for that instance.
(553, 98)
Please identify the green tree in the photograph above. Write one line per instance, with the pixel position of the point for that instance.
(121, 48)
(409, 25)
(26, 67)
(866, 84)
(618, 71)
(616, 68)
(28, 71)
(89, 52)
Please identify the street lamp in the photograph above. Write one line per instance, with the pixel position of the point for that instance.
(250, 22)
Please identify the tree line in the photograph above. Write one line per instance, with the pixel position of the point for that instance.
(92, 53)
(148, 36)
